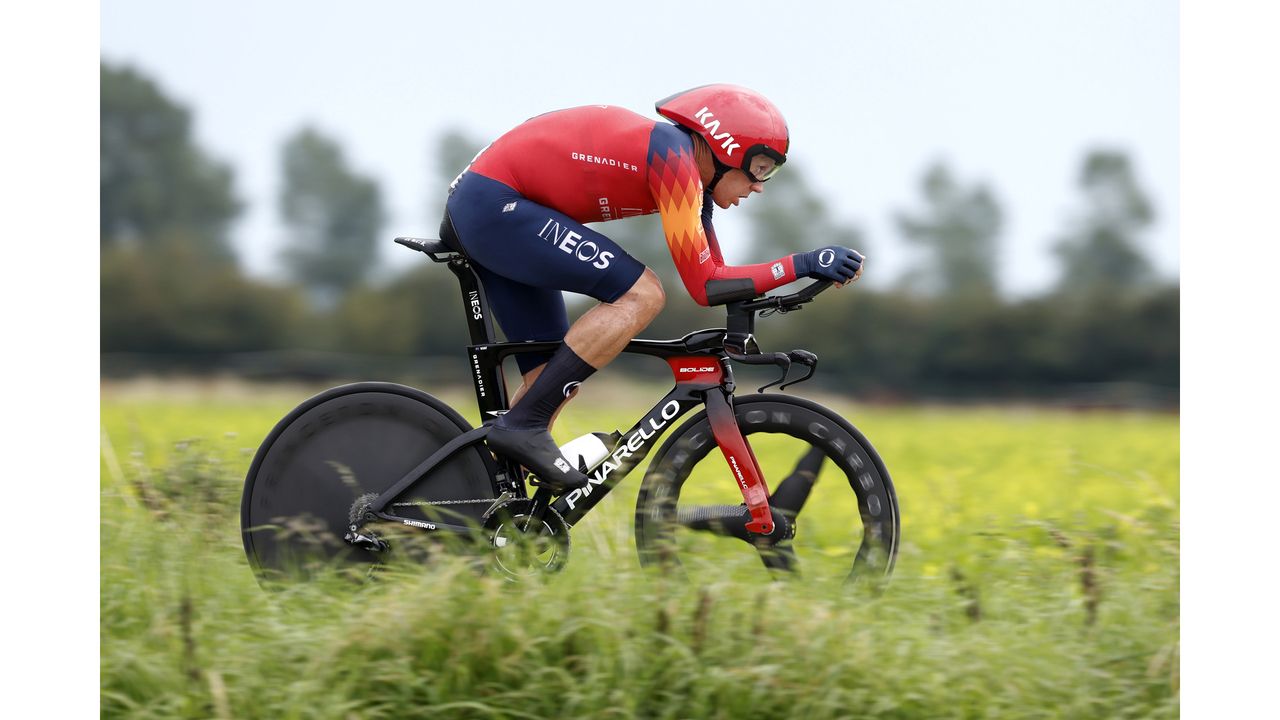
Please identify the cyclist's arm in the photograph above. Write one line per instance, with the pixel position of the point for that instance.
(686, 222)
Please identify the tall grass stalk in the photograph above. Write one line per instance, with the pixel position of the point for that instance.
(1024, 615)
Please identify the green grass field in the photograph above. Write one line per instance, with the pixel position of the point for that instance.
(1038, 577)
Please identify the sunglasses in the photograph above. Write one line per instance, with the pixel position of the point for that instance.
(767, 171)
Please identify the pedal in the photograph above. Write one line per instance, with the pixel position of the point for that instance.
(555, 488)
(535, 481)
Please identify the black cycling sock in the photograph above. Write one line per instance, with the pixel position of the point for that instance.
(564, 372)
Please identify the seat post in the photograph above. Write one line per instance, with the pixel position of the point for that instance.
(486, 372)
(474, 303)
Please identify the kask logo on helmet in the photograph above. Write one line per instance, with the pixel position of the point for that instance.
(704, 116)
(736, 122)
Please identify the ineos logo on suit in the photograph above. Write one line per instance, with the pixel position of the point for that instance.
(572, 243)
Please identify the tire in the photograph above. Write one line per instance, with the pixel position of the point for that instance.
(811, 459)
(335, 447)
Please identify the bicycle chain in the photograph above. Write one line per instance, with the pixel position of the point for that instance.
(444, 502)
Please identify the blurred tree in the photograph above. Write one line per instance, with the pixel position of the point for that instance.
(958, 229)
(1100, 253)
(156, 184)
(420, 312)
(169, 300)
(454, 152)
(334, 217)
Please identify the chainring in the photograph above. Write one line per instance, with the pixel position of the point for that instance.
(521, 551)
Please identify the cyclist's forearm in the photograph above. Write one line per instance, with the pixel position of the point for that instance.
(763, 276)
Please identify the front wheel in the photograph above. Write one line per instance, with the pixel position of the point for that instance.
(824, 476)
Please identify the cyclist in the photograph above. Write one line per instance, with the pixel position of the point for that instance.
(518, 211)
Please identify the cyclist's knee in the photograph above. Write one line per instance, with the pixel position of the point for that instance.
(647, 293)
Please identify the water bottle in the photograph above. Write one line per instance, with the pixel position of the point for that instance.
(587, 451)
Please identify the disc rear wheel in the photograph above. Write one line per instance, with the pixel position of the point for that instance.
(344, 444)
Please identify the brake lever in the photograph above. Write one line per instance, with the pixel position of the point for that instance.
(739, 349)
(803, 357)
(784, 362)
(806, 358)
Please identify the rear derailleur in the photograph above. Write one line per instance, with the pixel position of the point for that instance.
(357, 535)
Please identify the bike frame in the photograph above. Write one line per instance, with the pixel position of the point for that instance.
(703, 377)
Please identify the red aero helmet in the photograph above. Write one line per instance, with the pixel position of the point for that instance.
(737, 123)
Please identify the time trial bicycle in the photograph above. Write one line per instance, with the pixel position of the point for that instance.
(363, 471)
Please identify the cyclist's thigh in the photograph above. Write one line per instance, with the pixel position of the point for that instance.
(514, 237)
(525, 313)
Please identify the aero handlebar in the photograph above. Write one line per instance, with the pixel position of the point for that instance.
(740, 342)
(785, 303)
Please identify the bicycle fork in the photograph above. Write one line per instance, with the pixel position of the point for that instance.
(742, 461)
(715, 384)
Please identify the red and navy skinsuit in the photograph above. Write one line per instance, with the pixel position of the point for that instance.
(519, 208)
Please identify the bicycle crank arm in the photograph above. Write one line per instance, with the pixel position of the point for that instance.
(731, 521)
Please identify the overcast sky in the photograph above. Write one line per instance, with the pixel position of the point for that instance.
(1009, 93)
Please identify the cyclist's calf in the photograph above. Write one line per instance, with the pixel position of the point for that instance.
(601, 333)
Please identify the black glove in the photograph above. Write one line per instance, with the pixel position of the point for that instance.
(834, 263)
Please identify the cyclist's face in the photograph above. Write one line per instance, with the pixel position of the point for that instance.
(733, 187)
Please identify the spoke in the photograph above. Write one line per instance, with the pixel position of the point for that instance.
(793, 491)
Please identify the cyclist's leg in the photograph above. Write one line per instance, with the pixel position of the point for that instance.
(591, 343)
(531, 244)
(525, 313)
(521, 240)
(528, 243)
(534, 246)
(604, 330)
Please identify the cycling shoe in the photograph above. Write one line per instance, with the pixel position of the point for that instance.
(535, 450)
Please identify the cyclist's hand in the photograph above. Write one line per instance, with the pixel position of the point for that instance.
(837, 264)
